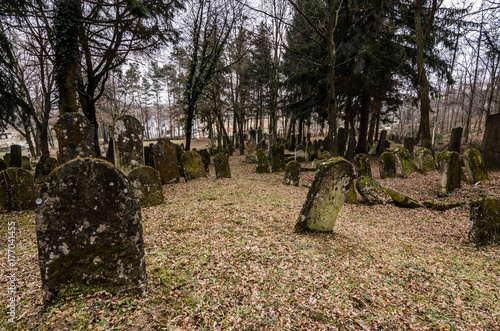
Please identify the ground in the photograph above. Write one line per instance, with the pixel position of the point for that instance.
(222, 254)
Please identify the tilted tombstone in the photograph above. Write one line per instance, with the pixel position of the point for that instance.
(129, 148)
(262, 161)
(405, 161)
(146, 182)
(75, 135)
(371, 191)
(450, 173)
(425, 160)
(455, 140)
(277, 156)
(490, 146)
(381, 142)
(387, 165)
(474, 166)
(89, 231)
(16, 156)
(110, 153)
(310, 152)
(362, 164)
(44, 167)
(192, 165)
(485, 221)
(292, 173)
(409, 144)
(17, 189)
(166, 161)
(326, 196)
(222, 169)
(26, 162)
(251, 149)
(205, 157)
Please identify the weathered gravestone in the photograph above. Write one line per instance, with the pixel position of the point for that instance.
(402, 200)
(490, 147)
(44, 167)
(89, 231)
(310, 152)
(205, 157)
(474, 166)
(409, 144)
(362, 163)
(259, 135)
(193, 165)
(351, 144)
(425, 160)
(26, 162)
(381, 142)
(242, 147)
(146, 182)
(372, 148)
(3, 165)
(485, 221)
(251, 149)
(75, 136)
(277, 156)
(455, 140)
(326, 196)
(262, 162)
(166, 162)
(441, 157)
(292, 173)
(17, 190)
(129, 149)
(405, 161)
(450, 173)
(300, 153)
(387, 165)
(6, 158)
(110, 153)
(149, 156)
(292, 144)
(16, 156)
(222, 170)
(371, 191)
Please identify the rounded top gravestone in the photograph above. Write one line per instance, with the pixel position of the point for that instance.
(128, 147)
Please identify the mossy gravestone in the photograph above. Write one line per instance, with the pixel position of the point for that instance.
(362, 163)
(292, 173)
(262, 162)
(146, 182)
(450, 173)
(251, 150)
(490, 146)
(371, 191)
(165, 157)
(474, 166)
(405, 161)
(485, 221)
(310, 152)
(277, 155)
(16, 159)
(75, 136)
(425, 160)
(222, 169)
(300, 153)
(44, 167)
(326, 196)
(205, 157)
(17, 189)
(129, 149)
(89, 231)
(387, 165)
(441, 157)
(149, 156)
(192, 165)
(26, 162)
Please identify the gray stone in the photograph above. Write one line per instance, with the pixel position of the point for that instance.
(129, 149)
(292, 173)
(300, 153)
(262, 162)
(222, 169)
(146, 182)
(17, 190)
(75, 135)
(192, 165)
(251, 150)
(44, 167)
(425, 160)
(277, 156)
(387, 165)
(16, 159)
(405, 161)
(485, 221)
(166, 161)
(362, 164)
(474, 166)
(26, 162)
(371, 191)
(450, 173)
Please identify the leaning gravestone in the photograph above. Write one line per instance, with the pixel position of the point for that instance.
(292, 173)
(205, 157)
(193, 165)
(485, 221)
(450, 173)
(16, 159)
(474, 166)
(490, 147)
(455, 140)
(326, 196)
(362, 163)
(26, 162)
(75, 136)
(409, 144)
(277, 154)
(166, 162)
(310, 152)
(425, 160)
(387, 165)
(262, 162)
(89, 231)
(222, 170)
(44, 167)
(129, 149)
(371, 191)
(251, 149)
(300, 153)
(146, 182)
(381, 142)
(17, 190)
(405, 161)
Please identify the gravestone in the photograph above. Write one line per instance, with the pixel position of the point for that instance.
(455, 140)
(129, 149)
(409, 144)
(485, 221)
(251, 149)
(166, 161)
(146, 182)
(490, 146)
(362, 164)
(263, 144)
(253, 135)
(6, 158)
(205, 157)
(259, 135)
(405, 161)
(292, 144)
(474, 166)
(341, 141)
(371, 191)
(262, 162)
(441, 157)
(310, 152)
(110, 153)
(292, 173)
(16, 156)
(44, 167)
(300, 153)
(387, 165)
(89, 231)
(402, 200)
(26, 162)
(425, 160)
(242, 147)
(149, 156)
(3, 165)
(351, 144)
(326, 196)
(450, 173)
(75, 136)
(381, 142)
(17, 190)
(222, 169)
(277, 156)
(372, 148)
(193, 165)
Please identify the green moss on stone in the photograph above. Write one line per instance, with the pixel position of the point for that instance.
(441, 157)
(442, 206)
(262, 162)
(146, 182)
(387, 165)
(402, 200)
(485, 221)
(405, 161)
(292, 173)
(362, 163)
(371, 191)
(222, 169)
(425, 160)
(351, 195)
(474, 166)
(193, 165)
(277, 157)
(17, 190)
